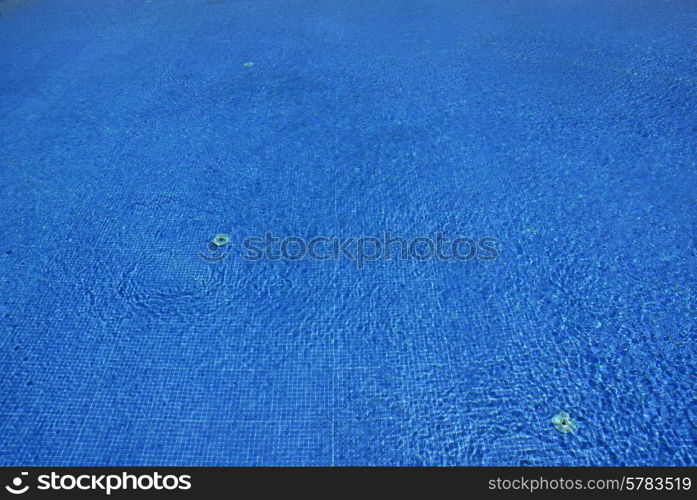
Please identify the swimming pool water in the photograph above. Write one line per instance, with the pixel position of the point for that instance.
(132, 132)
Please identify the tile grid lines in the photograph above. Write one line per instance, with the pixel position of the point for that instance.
(335, 335)
(404, 366)
(120, 147)
(384, 418)
(87, 414)
(7, 337)
(446, 344)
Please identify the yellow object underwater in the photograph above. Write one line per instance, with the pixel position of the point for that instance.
(563, 423)
(221, 240)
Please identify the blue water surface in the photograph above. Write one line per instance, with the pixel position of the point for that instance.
(132, 132)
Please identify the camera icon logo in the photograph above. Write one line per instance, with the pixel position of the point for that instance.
(16, 487)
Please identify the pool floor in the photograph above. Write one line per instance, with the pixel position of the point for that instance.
(133, 132)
